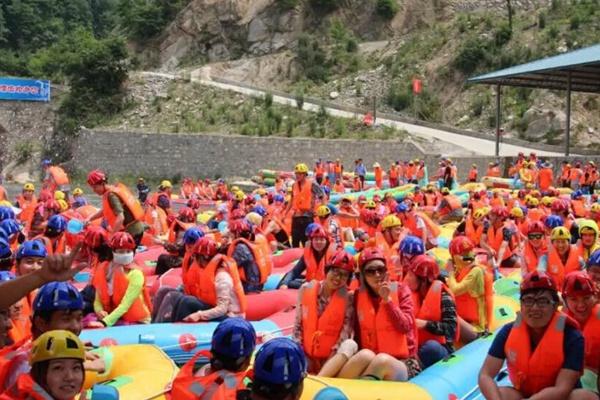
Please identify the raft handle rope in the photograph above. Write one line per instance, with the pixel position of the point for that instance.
(476, 391)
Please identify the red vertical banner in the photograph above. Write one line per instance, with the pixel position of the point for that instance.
(417, 86)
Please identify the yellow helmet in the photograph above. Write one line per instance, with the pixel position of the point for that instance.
(261, 192)
(370, 204)
(29, 187)
(391, 221)
(54, 345)
(77, 192)
(588, 225)
(239, 195)
(323, 211)
(560, 232)
(445, 190)
(64, 206)
(58, 195)
(517, 212)
(533, 202)
(547, 200)
(481, 212)
(235, 189)
(166, 184)
(5, 203)
(254, 218)
(595, 208)
(301, 168)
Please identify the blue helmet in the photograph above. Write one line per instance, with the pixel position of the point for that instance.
(10, 227)
(401, 207)
(332, 208)
(234, 338)
(411, 245)
(31, 248)
(46, 162)
(310, 227)
(3, 235)
(56, 296)
(260, 210)
(594, 259)
(192, 235)
(6, 213)
(326, 189)
(5, 251)
(280, 361)
(6, 276)
(57, 223)
(330, 393)
(278, 198)
(552, 221)
(577, 194)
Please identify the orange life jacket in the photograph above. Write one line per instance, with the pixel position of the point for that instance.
(530, 372)
(591, 334)
(140, 309)
(410, 172)
(495, 238)
(183, 226)
(53, 246)
(473, 174)
(187, 188)
(391, 255)
(545, 178)
(3, 194)
(472, 232)
(21, 328)
(261, 254)
(532, 257)
(338, 169)
(339, 188)
(393, 172)
(575, 174)
(431, 199)
(319, 170)
(430, 309)
(578, 208)
(200, 282)
(218, 385)
(314, 270)
(378, 177)
(557, 269)
(467, 306)
(302, 200)
(453, 203)
(565, 173)
(320, 333)
(420, 172)
(59, 175)
(27, 208)
(377, 331)
(126, 198)
(25, 388)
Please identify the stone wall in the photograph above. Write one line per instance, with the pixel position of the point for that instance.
(168, 155)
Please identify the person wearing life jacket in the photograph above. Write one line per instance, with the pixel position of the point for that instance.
(388, 240)
(97, 251)
(232, 344)
(3, 194)
(253, 257)
(78, 199)
(43, 211)
(578, 204)
(212, 286)
(565, 173)
(472, 287)
(7, 259)
(369, 219)
(305, 194)
(591, 177)
(57, 371)
(588, 242)
(120, 208)
(545, 177)
(575, 176)
(534, 247)
(593, 267)
(27, 202)
(55, 178)
(543, 348)
(473, 173)
(158, 212)
(54, 237)
(331, 224)
(493, 170)
(475, 224)
(143, 190)
(325, 317)
(278, 372)
(378, 173)
(121, 294)
(174, 245)
(430, 199)
(410, 247)
(385, 324)
(449, 209)
(435, 310)
(500, 239)
(581, 300)
(312, 263)
(562, 257)
(393, 175)
(595, 212)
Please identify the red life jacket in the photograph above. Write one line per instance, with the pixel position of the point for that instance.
(218, 385)
(532, 256)
(472, 232)
(314, 270)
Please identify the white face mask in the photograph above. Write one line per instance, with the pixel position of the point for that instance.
(123, 258)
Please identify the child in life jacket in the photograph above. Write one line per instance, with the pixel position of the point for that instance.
(232, 345)
(57, 371)
(543, 348)
(121, 295)
(327, 303)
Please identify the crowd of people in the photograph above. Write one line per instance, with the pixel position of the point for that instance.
(373, 301)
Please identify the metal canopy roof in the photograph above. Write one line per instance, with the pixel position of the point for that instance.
(552, 72)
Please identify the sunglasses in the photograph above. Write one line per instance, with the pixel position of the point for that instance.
(535, 236)
(376, 271)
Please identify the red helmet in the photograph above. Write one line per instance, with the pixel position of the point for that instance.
(535, 227)
(52, 204)
(206, 246)
(95, 236)
(238, 213)
(194, 204)
(342, 260)
(318, 231)
(425, 266)
(460, 245)
(538, 280)
(578, 283)
(96, 177)
(370, 254)
(500, 212)
(186, 214)
(122, 240)
(239, 226)
(559, 206)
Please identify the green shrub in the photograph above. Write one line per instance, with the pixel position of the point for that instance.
(268, 100)
(541, 20)
(399, 97)
(299, 97)
(387, 8)
(326, 5)
(502, 35)
(24, 151)
(470, 55)
(312, 58)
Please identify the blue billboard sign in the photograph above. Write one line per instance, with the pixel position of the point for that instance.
(24, 89)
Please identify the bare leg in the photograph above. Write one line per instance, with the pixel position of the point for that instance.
(467, 332)
(387, 368)
(333, 366)
(509, 393)
(357, 364)
(582, 394)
